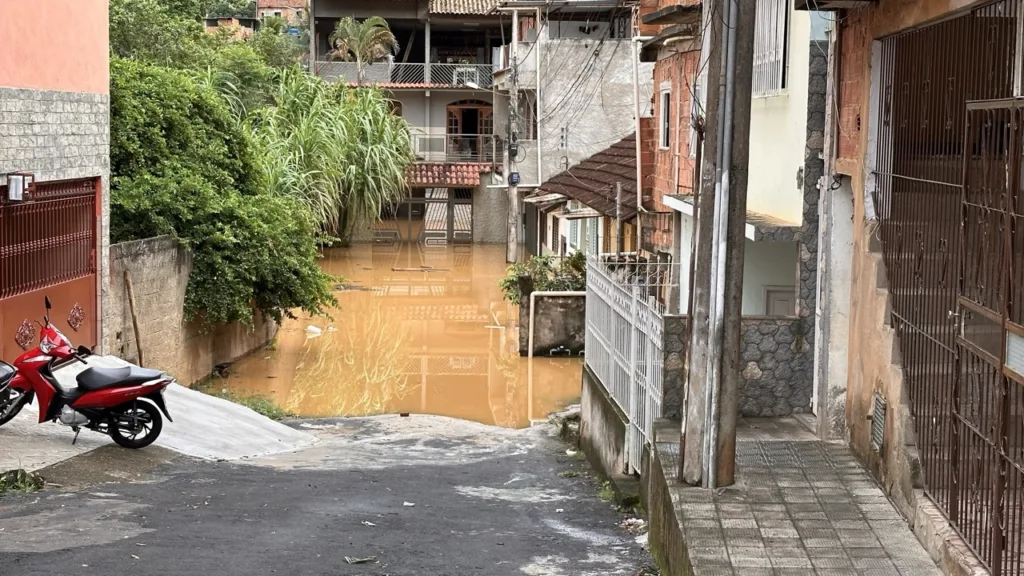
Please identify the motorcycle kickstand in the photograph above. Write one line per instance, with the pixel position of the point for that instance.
(78, 430)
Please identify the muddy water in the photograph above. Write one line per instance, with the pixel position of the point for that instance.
(418, 330)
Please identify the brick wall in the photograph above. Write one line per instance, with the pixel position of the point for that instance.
(678, 71)
(854, 78)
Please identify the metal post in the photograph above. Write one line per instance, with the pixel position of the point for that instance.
(618, 220)
(514, 216)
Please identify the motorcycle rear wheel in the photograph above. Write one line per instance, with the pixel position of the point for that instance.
(11, 403)
(136, 424)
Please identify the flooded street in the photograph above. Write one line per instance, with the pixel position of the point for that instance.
(418, 329)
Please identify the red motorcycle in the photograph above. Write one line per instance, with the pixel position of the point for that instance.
(123, 402)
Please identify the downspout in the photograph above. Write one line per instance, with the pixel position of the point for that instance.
(721, 219)
(635, 52)
(537, 111)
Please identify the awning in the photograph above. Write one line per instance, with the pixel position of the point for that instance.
(578, 214)
(543, 197)
(674, 14)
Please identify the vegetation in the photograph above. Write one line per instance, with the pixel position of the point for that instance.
(227, 144)
(338, 150)
(363, 42)
(258, 403)
(20, 481)
(569, 274)
(183, 166)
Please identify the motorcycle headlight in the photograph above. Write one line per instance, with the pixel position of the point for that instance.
(45, 346)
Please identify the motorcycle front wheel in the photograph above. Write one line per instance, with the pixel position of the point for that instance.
(11, 403)
(136, 424)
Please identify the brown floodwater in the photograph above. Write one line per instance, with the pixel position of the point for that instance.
(417, 329)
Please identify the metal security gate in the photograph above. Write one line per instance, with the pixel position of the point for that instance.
(48, 246)
(624, 342)
(433, 217)
(947, 199)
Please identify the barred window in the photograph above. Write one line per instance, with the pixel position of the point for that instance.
(771, 41)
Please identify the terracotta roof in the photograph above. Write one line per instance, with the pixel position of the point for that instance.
(462, 6)
(296, 4)
(465, 174)
(592, 182)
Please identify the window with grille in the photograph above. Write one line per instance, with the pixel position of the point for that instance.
(665, 126)
(771, 40)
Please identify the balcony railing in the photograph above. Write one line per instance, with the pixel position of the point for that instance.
(471, 76)
(457, 147)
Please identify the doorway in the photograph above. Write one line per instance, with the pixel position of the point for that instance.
(779, 301)
(469, 128)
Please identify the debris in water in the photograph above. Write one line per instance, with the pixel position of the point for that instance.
(368, 523)
(634, 525)
(571, 452)
(313, 329)
(366, 560)
(408, 504)
(404, 414)
(559, 510)
(135, 557)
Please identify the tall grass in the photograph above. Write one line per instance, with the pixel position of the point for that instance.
(339, 150)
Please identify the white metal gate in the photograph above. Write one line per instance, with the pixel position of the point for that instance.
(624, 342)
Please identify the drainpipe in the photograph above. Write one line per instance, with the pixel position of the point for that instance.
(719, 248)
(635, 52)
(536, 95)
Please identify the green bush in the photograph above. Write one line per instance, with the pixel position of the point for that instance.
(181, 165)
(570, 274)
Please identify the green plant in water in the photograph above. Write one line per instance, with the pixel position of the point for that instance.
(570, 274)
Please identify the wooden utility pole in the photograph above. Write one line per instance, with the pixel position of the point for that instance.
(514, 215)
(708, 442)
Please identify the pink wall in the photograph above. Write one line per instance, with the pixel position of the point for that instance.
(55, 45)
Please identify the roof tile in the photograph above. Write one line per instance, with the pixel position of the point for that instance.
(592, 181)
(465, 175)
(462, 6)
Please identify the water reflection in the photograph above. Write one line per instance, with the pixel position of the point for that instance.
(419, 330)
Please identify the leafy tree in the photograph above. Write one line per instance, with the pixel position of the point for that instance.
(182, 165)
(363, 42)
(159, 31)
(232, 8)
(569, 274)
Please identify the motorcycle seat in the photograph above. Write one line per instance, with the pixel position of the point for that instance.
(96, 378)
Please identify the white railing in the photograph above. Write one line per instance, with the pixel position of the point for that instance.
(472, 76)
(624, 343)
(433, 145)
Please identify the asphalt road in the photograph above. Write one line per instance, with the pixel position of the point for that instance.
(422, 496)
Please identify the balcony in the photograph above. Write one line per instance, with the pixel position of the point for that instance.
(435, 146)
(410, 75)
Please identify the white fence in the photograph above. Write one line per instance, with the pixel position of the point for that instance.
(624, 344)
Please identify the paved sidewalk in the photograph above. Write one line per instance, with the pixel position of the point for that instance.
(800, 506)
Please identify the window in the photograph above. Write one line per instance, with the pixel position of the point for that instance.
(771, 40)
(665, 126)
(277, 14)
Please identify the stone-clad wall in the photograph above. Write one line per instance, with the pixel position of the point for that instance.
(777, 358)
(59, 135)
(777, 362)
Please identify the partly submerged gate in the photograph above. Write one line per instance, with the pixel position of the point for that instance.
(948, 200)
(48, 247)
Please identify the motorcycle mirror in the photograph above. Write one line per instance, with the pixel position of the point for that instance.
(46, 299)
(84, 350)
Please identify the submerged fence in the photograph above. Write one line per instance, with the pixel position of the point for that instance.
(624, 341)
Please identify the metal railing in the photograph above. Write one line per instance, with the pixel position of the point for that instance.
(472, 76)
(457, 147)
(624, 342)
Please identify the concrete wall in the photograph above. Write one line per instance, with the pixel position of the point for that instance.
(584, 108)
(603, 427)
(559, 321)
(778, 133)
(490, 214)
(159, 268)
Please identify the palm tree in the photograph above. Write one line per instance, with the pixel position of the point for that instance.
(364, 42)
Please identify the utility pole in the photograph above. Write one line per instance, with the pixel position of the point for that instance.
(708, 441)
(514, 216)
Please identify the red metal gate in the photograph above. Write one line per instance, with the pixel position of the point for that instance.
(48, 246)
(948, 200)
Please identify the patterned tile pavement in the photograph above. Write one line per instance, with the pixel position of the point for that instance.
(799, 507)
